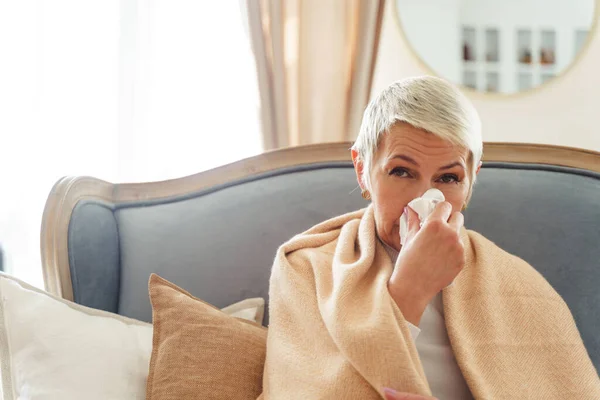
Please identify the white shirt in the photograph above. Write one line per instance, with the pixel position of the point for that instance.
(431, 339)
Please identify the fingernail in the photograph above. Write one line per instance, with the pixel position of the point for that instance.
(389, 391)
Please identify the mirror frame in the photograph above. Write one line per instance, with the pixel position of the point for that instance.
(543, 86)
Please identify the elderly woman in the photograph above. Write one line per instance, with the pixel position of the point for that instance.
(353, 312)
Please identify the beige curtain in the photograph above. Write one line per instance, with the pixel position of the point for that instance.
(315, 61)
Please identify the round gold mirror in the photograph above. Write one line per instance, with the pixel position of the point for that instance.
(503, 46)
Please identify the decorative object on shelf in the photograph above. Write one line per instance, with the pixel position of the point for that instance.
(524, 46)
(547, 56)
(525, 57)
(481, 46)
(548, 46)
(469, 39)
(467, 52)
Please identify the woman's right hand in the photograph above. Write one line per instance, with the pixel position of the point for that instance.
(432, 256)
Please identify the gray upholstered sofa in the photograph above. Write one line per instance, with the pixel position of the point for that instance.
(215, 233)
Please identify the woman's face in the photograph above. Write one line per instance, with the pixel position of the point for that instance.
(409, 161)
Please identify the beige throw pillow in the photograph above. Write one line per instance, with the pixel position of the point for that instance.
(198, 351)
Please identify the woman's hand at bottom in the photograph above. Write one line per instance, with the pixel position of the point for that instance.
(391, 394)
(430, 259)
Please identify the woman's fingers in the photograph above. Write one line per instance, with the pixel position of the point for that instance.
(414, 224)
(441, 212)
(456, 221)
(391, 394)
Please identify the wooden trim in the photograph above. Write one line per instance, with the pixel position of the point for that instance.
(542, 154)
(69, 191)
(63, 198)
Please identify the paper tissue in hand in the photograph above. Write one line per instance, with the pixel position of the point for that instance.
(423, 206)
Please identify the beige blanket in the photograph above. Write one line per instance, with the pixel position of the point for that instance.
(335, 332)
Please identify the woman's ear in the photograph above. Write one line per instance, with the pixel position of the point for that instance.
(358, 167)
(478, 167)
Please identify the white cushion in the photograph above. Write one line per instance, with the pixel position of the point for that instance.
(250, 309)
(51, 348)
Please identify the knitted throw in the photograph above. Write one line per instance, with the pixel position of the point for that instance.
(336, 333)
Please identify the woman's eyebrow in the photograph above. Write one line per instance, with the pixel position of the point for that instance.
(413, 162)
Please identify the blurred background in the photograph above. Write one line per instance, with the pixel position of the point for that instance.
(148, 90)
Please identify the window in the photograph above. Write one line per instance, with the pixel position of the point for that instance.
(123, 91)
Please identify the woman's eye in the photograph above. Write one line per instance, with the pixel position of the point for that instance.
(401, 172)
(449, 178)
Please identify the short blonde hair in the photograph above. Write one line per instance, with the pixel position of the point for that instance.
(427, 103)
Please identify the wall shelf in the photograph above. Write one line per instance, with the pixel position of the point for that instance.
(487, 64)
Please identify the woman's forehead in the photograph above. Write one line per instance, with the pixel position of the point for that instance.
(404, 139)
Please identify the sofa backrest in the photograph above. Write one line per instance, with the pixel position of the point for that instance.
(218, 242)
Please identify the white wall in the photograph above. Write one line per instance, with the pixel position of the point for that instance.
(564, 112)
(433, 27)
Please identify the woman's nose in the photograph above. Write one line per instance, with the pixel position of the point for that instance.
(424, 187)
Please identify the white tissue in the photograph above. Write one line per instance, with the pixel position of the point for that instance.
(423, 206)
